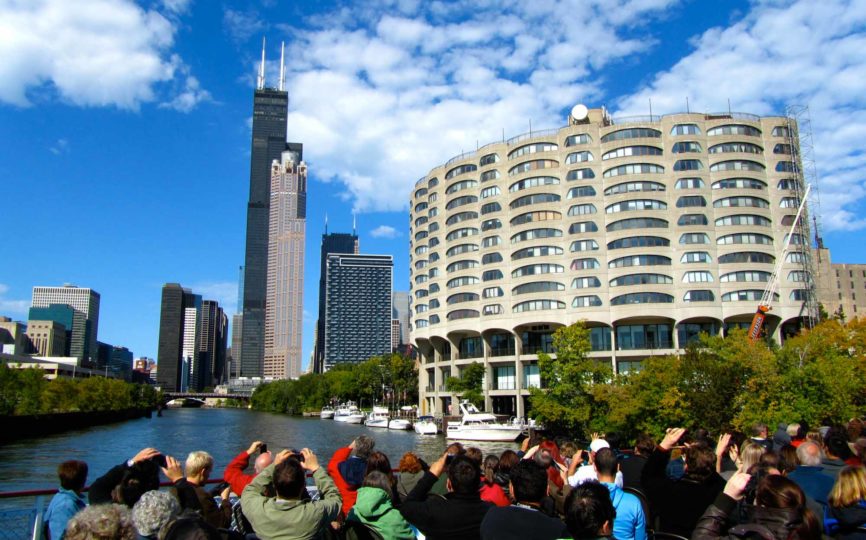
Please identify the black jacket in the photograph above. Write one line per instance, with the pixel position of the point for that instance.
(451, 517)
(850, 518)
(632, 469)
(764, 523)
(521, 523)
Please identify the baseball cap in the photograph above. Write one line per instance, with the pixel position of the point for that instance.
(598, 444)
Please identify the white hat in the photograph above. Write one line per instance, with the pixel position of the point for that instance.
(597, 445)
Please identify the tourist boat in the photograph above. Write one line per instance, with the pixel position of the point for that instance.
(426, 426)
(349, 413)
(399, 423)
(478, 426)
(327, 413)
(377, 418)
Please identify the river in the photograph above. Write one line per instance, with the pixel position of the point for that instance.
(224, 433)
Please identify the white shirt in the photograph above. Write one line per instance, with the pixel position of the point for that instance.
(587, 472)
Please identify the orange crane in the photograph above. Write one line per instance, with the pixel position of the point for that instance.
(766, 303)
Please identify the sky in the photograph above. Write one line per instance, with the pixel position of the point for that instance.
(126, 125)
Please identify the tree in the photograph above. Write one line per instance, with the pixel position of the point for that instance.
(470, 383)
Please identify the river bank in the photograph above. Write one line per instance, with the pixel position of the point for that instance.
(38, 425)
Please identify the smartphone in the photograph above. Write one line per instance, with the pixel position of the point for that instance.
(296, 454)
(263, 448)
(159, 459)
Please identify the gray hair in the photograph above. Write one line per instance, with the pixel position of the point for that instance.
(197, 461)
(101, 522)
(364, 446)
(809, 453)
(153, 510)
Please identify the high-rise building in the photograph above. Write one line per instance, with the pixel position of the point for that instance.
(838, 285)
(650, 229)
(357, 307)
(178, 328)
(120, 363)
(400, 303)
(213, 340)
(234, 354)
(47, 338)
(13, 337)
(331, 243)
(270, 108)
(284, 311)
(85, 302)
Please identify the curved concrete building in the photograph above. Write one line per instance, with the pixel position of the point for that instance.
(651, 229)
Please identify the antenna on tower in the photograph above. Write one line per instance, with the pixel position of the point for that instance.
(326, 223)
(282, 65)
(261, 83)
(354, 223)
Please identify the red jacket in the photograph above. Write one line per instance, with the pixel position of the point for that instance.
(495, 494)
(235, 475)
(349, 494)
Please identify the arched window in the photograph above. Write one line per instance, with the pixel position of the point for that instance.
(739, 147)
(634, 168)
(535, 234)
(737, 165)
(536, 251)
(628, 151)
(685, 129)
(580, 174)
(537, 287)
(491, 191)
(638, 241)
(639, 260)
(689, 183)
(461, 233)
(589, 282)
(586, 301)
(491, 258)
(581, 209)
(538, 305)
(460, 169)
(689, 201)
(688, 165)
(636, 204)
(588, 263)
(583, 245)
(532, 149)
(687, 147)
(745, 238)
(739, 257)
(642, 298)
(488, 159)
(732, 202)
(697, 276)
(699, 296)
(641, 279)
(633, 187)
(533, 166)
(745, 276)
(579, 138)
(739, 183)
(492, 174)
(637, 223)
(535, 198)
(582, 227)
(578, 157)
(536, 269)
(533, 181)
(461, 216)
(462, 281)
(533, 217)
(696, 257)
(692, 219)
(734, 129)
(631, 133)
(460, 186)
(460, 201)
(582, 191)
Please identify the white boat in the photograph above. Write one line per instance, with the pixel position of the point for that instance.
(349, 413)
(377, 418)
(399, 423)
(327, 413)
(478, 426)
(426, 426)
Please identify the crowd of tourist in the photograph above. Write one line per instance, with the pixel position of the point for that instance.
(795, 484)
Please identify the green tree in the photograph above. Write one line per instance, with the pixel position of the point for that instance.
(470, 383)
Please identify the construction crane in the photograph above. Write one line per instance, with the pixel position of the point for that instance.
(766, 303)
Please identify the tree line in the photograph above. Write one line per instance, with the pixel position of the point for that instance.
(25, 392)
(390, 379)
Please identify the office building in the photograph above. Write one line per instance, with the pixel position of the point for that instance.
(178, 329)
(61, 314)
(13, 337)
(841, 287)
(47, 338)
(400, 303)
(649, 229)
(331, 243)
(213, 339)
(119, 362)
(85, 323)
(357, 307)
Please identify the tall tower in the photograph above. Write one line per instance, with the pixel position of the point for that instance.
(85, 323)
(284, 308)
(331, 243)
(179, 326)
(270, 107)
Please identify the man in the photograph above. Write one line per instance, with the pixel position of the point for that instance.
(234, 473)
(348, 466)
(457, 515)
(836, 451)
(125, 483)
(68, 501)
(680, 503)
(190, 491)
(287, 515)
(630, 521)
(589, 513)
(577, 476)
(524, 519)
(760, 436)
(810, 475)
(632, 466)
(781, 437)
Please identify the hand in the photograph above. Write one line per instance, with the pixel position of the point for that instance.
(737, 485)
(438, 466)
(253, 447)
(596, 436)
(225, 493)
(671, 438)
(311, 462)
(524, 446)
(281, 456)
(172, 469)
(145, 454)
(578, 457)
(724, 440)
(531, 452)
(352, 445)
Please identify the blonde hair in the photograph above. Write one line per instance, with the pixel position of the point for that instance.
(198, 461)
(792, 430)
(849, 489)
(750, 454)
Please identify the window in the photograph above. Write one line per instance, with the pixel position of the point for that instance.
(578, 157)
(537, 287)
(641, 298)
(782, 148)
(421, 264)
(536, 198)
(434, 257)
(461, 248)
(583, 245)
(631, 133)
(420, 221)
(692, 219)
(463, 314)
(434, 319)
(688, 165)
(538, 305)
(694, 238)
(580, 174)
(536, 269)
(745, 276)
(786, 166)
(627, 151)
(639, 241)
(585, 264)
(461, 297)
(421, 323)
(488, 159)
(420, 250)
(696, 257)
(799, 295)
(533, 166)
(490, 241)
(492, 292)
(433, 182)
(689, 201)
(489, 208)
(532, 149)
(699, 296)
(492, 174)
(741, 202)
(797, 239)
(637, 223)
(741, 147)
(740, 257)
(685, 129)
(639, 260)
(460, 169)
(737, 165)
(461, 216)
(586, 301)
(491, 191)
(462, 281)
(641, 279)
(434, 272)
(461, 233)
(537, 251)
(491, 275)
(492, 309)
(699, 276)
(745, 238)
(460, 201)
(591, 282)
(434, 288)
(491, 258)
(582, 191)
(420, 293)
(420, 235)
(433, 212)
(687, 147)
(583, 227)
(420, 206)
(535, 234)
(530, 217)
(743, 219)
(420, 192)
(748, 295)
(634, 168)
(689, 183)
(788, 184)
(796, 257)
(739, 183)
(460, 186)
(789, 202)
(533, 181)
(734, 129)
(802, 276)
(580, 138)
(461, 265)
(635, 204)
(490, 224)
(420, 278)
(633, 187)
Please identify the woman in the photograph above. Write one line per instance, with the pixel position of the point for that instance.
(555, 480)
(373, 508)
(507, 460)
(848, 504)
(490, 490)
(411, 470)
(380, 462)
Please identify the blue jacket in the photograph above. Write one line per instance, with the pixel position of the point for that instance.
(62, 507)
(815, 483)
(630, 522)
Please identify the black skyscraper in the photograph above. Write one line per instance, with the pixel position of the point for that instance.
(331, 243)
(175, 301)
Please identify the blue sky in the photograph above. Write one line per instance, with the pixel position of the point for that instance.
(125, 125)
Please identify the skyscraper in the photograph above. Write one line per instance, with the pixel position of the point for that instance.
(331, 243)
(270, 107)
(400, 302)
(357, 307)
(85, 303)
(284, 309)
(178, 329)
(212, 343)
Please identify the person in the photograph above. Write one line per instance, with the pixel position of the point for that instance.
(680, 503)
(457, 515)
(103, 522)
(374, 508)
(779, 512)
(750, 454)
(632, 466)
(836, 451)
(190, 527)
(630, 521)
(810, 476)
(190, 491)
(524, 519)
(507, 460)
(489, 491)
(378, 461)
(125, 483)
(795, 433)
(760, 435)
(781, 437)
(287, 515)
(234, 473)
(411, 470)
(68, 500)
(788, 460)
(441, 486)
(577, 476)
(549, 457)
(152, 511)
(589, 512)
(847, 504)
(348, 466)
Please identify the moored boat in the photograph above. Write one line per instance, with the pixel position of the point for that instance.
(348, 412)
(327, 413)
(426, 426)
(378, 417)
(475, 425)
(400, 424)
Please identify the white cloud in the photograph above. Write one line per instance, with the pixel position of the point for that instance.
(95, 53)
(190, 95)
(242, 25)
(12, 307)
(224, 292)
(384, 231)
(60, 147)
(381, 92)
(803, 53)
(177, 6)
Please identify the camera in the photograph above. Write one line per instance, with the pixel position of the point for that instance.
(263, 448)
(295, 453)
(159, 459)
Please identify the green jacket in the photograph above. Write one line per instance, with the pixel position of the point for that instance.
(373, 508)
(274, 518)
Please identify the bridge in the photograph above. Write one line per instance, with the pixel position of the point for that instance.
(203, 397)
